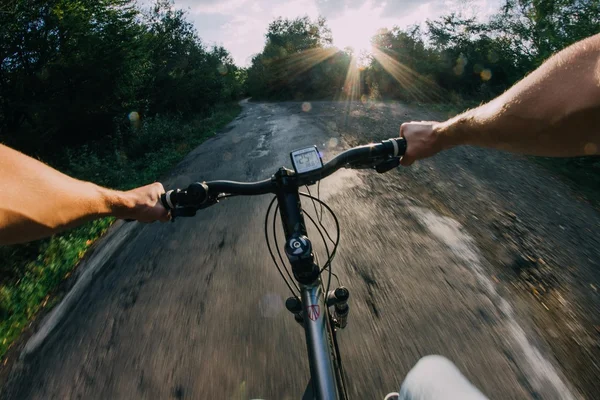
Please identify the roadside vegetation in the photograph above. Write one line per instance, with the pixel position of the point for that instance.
(454, 58)
(106, 92)
(449, 64)
(117, 94)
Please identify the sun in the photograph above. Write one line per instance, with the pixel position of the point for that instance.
(356, 39)
(355, 28)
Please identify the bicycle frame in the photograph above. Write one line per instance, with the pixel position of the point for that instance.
(312, 309)
(319, 340)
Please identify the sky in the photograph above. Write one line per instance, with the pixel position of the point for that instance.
(240, 25)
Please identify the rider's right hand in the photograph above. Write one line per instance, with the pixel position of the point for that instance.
(422, 140)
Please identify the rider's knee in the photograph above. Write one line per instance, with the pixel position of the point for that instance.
(436, 377)
(433, 363)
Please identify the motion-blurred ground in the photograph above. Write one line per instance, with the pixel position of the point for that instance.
(476, 255)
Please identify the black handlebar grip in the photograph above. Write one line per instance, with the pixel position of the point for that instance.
(164, 202)
(401, 142)
(197, 193)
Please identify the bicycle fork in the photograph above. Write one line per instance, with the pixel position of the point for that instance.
(338, 299)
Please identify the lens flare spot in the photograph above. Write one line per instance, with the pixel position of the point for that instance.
(486, 74)
(222, 69)
(364, 98)
(461, 62)
(227, 156)
(333, 142)
(134, 116)
(590, 149)
(306, 106)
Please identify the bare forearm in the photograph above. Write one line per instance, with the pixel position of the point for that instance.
(27, 223)
(37, 201)
(554, 111)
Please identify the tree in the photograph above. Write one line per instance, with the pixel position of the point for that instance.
(61, 64)
(72, 70)
(297, 61)
(540, 28)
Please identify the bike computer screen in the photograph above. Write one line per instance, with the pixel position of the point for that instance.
(306, 160)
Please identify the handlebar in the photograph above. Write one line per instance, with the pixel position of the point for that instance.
(382, 156)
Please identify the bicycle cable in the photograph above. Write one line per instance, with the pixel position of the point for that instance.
(330, 254)
(337, 239)
(277, 247)
(271, 250)
(319, 217)
(337, 227)
(326, 249)
(337, 278)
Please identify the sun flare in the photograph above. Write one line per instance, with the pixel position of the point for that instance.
(356, 39)
(355, 28)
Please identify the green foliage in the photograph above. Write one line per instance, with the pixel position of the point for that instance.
(37, 277)
(71, 71)
(138, 154)
(30, 272)
(297, 61)
(186, 77)
(107, 93)
(537, 29)
(453, 56)
(86, 84)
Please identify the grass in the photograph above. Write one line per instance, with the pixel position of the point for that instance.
(31, 273)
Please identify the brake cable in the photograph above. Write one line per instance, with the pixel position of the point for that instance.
(271, 250)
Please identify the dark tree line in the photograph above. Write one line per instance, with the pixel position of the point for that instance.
(451, 57)
(71, 71)
(297, 61)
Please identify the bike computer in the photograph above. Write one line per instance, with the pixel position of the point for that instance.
(306, 160)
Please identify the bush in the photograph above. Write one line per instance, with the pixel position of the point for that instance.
(29, 273)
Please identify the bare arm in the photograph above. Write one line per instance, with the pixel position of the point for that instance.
(37, 201)
(554, 111)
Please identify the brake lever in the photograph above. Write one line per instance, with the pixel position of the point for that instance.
(380, 166)
(388, 165)
(191, 211)
(182, 212)
(368, 165)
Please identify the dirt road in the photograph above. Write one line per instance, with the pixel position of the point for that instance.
(476, 255)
